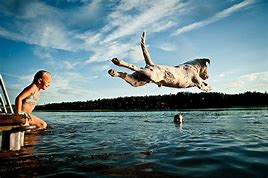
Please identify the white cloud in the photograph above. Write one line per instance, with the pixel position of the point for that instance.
(90, 39)
(50, 31)
(122, 23)
(225, 74)
(40, 24)
(162, 26)
(103, 67)
(51, 27)
(249, 82)
(251, 77)
(11, 35)
(36, 9)
(42, 33)
(147, 19)
(167, 47)
(70, 65)
(67, 86)
(105, 52)
(49, 34)
(48, 54)
(220, 15)
(83, 16)
(43, 53)
(135, 55)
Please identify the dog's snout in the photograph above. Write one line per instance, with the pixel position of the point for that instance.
(204, 76)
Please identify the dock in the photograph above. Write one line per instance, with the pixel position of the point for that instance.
(11, 130)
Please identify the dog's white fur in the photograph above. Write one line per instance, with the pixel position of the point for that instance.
(189, 74)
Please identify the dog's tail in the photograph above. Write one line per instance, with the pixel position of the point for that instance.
(147, 57)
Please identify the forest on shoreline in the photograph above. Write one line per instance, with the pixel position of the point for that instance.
(181, 100)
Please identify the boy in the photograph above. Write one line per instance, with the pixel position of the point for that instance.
(28, 98)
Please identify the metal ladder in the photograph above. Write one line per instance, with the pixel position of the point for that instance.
(5, 105)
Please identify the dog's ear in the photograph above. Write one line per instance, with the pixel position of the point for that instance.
(205, 61)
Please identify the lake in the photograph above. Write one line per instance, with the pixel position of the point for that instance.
(214, 143)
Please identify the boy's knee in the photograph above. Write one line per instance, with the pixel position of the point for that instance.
(44, 125)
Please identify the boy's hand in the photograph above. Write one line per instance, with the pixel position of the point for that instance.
(26, 115)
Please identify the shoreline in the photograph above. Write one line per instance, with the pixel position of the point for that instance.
(160, 110)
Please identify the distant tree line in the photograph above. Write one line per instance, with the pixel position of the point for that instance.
(181, 100)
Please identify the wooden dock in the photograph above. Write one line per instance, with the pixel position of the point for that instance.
(11, 131)
(11, 138)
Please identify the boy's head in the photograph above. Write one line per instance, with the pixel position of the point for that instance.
(178, 119)
(42, 79)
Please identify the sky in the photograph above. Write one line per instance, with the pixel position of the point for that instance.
(76, 39)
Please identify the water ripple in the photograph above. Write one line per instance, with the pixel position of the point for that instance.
(211, 143)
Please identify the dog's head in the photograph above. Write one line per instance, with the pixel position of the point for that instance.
(203, 67)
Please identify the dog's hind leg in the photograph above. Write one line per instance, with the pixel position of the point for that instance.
(122, 63)
(132, 79)
(147, 57)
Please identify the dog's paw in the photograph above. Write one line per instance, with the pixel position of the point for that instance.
(116, 61)
(113, 73)
(208, 88)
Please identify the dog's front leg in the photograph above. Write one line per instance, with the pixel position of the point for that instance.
(202, 85)
(206, 87)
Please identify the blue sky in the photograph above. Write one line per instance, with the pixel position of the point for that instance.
(76, 39)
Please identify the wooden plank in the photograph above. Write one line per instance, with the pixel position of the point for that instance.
(1, 140)
(22, 138)
(9, 127)
(11, 119)
(5, 139)
(11, 139)
(14, 141)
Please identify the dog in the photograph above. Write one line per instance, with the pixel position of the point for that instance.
(188, 74)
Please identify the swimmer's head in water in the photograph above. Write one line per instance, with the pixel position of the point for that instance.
(178, 119)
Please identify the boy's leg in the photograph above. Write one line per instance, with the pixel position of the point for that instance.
(38, 122)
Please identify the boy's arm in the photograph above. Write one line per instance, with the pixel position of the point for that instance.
(26, 92)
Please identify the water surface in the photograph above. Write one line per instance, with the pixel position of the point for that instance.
(211, 143)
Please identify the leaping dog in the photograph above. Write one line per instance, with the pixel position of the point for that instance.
(188, 74)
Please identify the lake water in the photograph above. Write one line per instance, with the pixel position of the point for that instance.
(211, 143)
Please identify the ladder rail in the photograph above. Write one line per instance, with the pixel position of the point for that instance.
(2, 103)
(5, 94)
